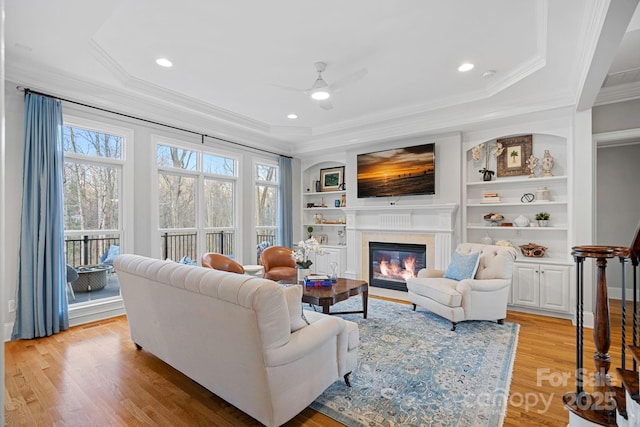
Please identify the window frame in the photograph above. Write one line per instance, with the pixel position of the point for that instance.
(254, 174)
(200, 176)
(86, 311)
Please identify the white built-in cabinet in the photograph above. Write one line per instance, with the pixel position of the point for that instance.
(321, 262)
(539, 284)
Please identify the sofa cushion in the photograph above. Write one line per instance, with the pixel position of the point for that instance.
(442, 290)
(462, 266)
(293, 295)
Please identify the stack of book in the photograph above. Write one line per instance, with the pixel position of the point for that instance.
(317, 280)
(490, 198)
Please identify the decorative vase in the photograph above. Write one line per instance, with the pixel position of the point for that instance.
(543, 194)
(318, 187)
(486, 175)
(302, 273)
(543, 222)
(547, 163)
(521, 221)
(486, 240)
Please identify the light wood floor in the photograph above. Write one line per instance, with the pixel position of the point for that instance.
(92, 375)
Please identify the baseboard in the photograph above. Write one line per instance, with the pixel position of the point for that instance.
(95, 312)
(8, 330)
(84, 314)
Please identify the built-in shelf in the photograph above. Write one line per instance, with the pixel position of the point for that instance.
(324, 193)
(539, 282)
(550, 203)
(329, 208)
(542, 260)
(535, 229)
(507, 181)
(313, 224)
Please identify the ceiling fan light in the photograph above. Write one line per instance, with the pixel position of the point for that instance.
(320, 95)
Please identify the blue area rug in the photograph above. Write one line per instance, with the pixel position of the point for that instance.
(414, 371)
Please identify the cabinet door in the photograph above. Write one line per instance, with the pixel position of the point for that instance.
(554, 287)
(526, 285)
(322, 261)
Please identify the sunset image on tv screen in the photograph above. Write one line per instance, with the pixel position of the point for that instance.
(395, 172)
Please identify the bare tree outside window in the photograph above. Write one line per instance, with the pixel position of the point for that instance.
(91, 189)
(194, 184)
(266, 200)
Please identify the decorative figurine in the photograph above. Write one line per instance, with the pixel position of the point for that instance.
(532, 162)
(547, 164)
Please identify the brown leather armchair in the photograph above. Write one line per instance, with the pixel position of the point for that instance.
(221, 262)
(278, 264)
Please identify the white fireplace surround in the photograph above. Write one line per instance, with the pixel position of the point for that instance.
(432, 225)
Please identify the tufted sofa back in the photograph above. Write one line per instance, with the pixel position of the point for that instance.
(496, 262)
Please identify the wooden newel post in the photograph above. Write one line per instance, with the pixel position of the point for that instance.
(602, 334)
(600, 404)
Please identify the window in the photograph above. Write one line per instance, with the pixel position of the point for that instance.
(93, 203)
(197, 202)
(266, 200)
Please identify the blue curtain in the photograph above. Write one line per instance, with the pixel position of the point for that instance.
(42, 308)
(285, 204)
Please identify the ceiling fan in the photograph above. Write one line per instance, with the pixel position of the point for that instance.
(321, 91)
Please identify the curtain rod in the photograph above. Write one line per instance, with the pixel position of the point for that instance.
(202, 135)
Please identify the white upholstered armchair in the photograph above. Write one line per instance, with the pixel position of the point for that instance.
(484, 296)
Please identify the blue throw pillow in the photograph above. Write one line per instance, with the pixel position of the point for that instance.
(462, 266)
(186, 260)
(111, 254)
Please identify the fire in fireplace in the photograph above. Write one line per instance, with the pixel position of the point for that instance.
(391, 264)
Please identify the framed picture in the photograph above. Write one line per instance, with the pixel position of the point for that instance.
(331, 178)
(513, 160)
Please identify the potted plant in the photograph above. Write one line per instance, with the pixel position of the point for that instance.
(542, 218)
(486, 174)
(302, 253)
(486, 149)
(309, 230)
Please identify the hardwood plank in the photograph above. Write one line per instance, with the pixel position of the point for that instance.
(93, 375)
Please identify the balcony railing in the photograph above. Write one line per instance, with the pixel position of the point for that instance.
(177, 245)
(86, 250)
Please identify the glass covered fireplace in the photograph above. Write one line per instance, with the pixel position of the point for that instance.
(391, 264)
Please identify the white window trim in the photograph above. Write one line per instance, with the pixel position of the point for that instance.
(157, 140)
(267, 162)
(88, 312)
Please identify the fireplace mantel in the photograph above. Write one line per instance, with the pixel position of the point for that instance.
(422, 218)
(432, 223)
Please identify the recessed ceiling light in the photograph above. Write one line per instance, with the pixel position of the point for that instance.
(164, 62)
(465, 67)
(292, 116)
(489, 73)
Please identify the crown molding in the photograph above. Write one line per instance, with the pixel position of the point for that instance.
(430, 123)
(163, 110)
(618, 93)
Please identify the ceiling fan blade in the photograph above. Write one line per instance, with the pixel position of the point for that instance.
(326, 104)
(339, 85)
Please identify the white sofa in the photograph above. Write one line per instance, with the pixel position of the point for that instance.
(483, 297)
(232, 334)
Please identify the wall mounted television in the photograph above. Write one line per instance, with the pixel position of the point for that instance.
(397, 172)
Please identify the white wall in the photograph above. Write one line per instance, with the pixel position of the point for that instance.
(617, 207)
(618, 204)
(3, 162)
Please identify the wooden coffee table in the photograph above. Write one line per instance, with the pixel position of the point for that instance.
(341, 290)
